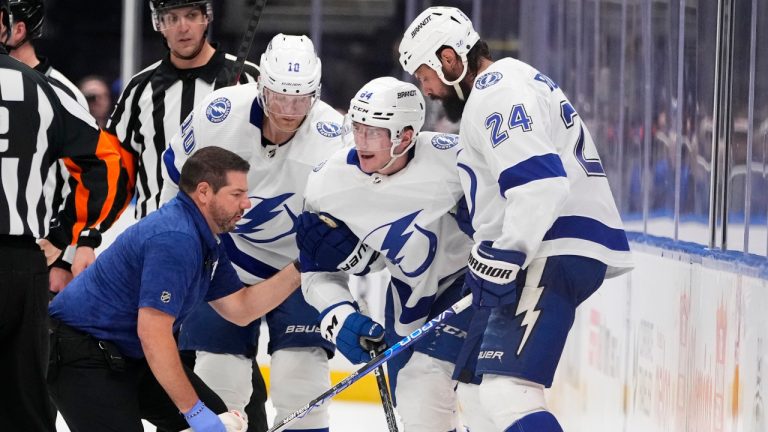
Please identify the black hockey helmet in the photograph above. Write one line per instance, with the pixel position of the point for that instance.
(7, 18)
(158, 6)
(31, 13)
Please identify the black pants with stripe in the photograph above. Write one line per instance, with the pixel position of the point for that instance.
(96, 389)
(24, 402)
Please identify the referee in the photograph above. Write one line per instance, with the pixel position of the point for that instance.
(151, 108)
(36, 121)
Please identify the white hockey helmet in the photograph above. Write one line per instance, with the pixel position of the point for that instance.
(391, 104)
(436, 27)
(290, 66)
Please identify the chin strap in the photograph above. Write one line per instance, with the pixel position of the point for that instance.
(393, 156)
(455, 83)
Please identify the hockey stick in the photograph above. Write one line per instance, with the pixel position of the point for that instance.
(247, 41)
(375, 362)
(386, 397)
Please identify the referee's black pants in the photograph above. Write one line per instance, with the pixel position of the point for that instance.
(95, 388)
(24, 403)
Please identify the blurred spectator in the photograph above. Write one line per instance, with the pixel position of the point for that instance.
(99, 97)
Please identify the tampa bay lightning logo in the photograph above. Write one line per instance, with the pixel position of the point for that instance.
(422, 244)
(218, 110)
(488, 80)
(445, 141)
(268, 220)
(329, 129)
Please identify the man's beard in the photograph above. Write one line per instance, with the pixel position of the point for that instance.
(452, 105)
(224, 221)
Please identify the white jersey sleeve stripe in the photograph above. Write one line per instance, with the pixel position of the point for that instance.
(532, 169)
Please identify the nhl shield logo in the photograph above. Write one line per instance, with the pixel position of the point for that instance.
(445, 141)
(488, 80)
(165, 297)
(218, 110)
(329, 129)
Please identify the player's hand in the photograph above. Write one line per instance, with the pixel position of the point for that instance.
(491, 275)
(327, 244)
(58, 278)
(84, 257)
(202, 419)
(354, 334)
(51, 252)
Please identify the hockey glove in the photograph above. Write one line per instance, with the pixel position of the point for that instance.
(202, 419)
(327, 244)
(491, 275)
(354, 334)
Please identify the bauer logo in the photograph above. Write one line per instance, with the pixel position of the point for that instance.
(218, 110)
(329, 129)
(445, 141)
(488, 80)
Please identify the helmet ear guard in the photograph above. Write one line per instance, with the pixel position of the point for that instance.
(433, 29)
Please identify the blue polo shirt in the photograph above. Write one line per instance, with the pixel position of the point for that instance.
(169, 261)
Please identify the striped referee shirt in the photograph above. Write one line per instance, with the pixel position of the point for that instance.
(40, 124)
(150, 111)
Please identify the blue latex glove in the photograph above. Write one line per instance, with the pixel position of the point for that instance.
(202, 419)
(492, 273)
(327, 244)
(354, 334)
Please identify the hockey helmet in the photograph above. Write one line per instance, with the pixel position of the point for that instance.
(158, 7)
(289, 67)
(7, 18)
(31, 13)
(434, 28)
(389, 104)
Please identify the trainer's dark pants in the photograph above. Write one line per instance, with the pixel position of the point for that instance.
(24, 403)
(94, 391)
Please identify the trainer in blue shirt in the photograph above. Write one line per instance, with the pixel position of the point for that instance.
(114, 359)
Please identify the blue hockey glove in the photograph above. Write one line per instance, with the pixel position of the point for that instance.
(327, 244)
(202, 419)
(354, 334)
(491, 275)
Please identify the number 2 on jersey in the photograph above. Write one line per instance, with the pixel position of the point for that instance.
(517, 118)
(13, 90)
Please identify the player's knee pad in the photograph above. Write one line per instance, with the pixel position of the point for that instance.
(297, 376)
(228, 375)
(542, 421)
(426, 400)
(472, 414)
(507, 399)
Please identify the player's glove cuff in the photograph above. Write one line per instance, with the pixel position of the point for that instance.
(332, 318)
(492, 274)
(354, 334)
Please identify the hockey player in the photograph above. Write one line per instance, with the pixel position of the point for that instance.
(155, 102)
(283, 129)
(547, 231)
(394, 191)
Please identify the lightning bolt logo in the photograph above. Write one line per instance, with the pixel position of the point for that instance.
(529, 299)
(398, 233)
(261, 214)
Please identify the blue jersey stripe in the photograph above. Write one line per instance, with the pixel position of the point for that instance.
(532, 169)
(589, 229)
(245, 261)
(169, 159)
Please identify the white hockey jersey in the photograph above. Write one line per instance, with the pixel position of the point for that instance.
(531, 173)
(264, 239)
(405, 216)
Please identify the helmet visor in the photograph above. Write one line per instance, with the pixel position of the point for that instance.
(287, 105)
(166, 19)
(366, 138)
